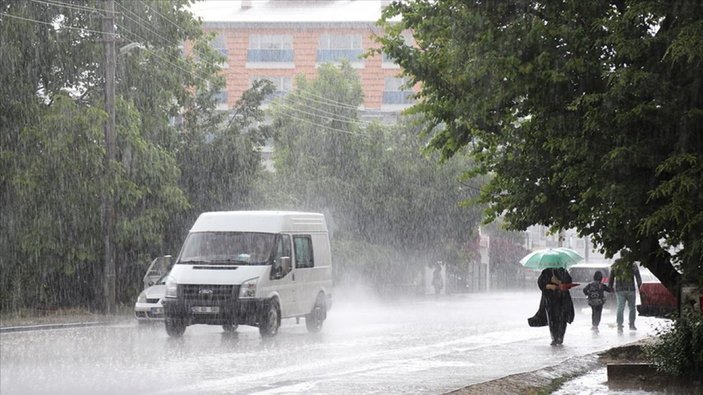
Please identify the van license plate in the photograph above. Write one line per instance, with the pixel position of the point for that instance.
(205, 309)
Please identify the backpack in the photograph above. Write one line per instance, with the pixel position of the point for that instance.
(595, 295)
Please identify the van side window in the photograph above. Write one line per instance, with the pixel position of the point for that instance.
(303, 252)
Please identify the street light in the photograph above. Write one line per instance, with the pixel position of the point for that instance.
(127, 48)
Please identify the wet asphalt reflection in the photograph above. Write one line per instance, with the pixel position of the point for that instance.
(416, 345)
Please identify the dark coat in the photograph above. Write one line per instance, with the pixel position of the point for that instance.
(557, 303)
(540, 317)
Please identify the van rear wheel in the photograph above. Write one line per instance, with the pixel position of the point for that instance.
(270, 319)
(316, 318)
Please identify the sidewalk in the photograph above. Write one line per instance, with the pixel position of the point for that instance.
(587, 375)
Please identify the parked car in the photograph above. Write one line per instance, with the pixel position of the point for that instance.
(655, 298)
(148, 307)
(582, 274)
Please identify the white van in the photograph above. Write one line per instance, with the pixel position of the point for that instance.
(251, 268)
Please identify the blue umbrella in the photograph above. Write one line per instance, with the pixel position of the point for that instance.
(551, 258)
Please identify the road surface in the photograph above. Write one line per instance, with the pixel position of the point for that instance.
(423, 345)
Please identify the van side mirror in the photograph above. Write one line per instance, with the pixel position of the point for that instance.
(281, 267)
(285, 264)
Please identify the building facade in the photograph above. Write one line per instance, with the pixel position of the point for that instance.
(278, 40)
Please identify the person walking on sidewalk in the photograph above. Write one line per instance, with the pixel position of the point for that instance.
(595, 292)
(437, 281)
(554, 284)
(622, 279)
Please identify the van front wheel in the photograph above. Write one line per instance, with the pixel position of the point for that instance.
(314, 320)
(175, 326)
(270, 319)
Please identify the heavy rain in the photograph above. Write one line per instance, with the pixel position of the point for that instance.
(348, 196)
(367, 345)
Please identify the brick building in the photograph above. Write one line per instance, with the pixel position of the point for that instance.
(279, 39)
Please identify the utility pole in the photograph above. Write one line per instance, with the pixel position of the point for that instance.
(560, 238)
(108, 201)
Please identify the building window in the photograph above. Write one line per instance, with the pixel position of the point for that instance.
(283, 84)
(395, 92)
(220, 44)
(270, 49)
(335, 48)
(221, 99)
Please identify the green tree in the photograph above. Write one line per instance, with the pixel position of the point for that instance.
(370, 179)
(588, 115)
(51, 142)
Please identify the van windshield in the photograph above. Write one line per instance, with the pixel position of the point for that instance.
(227, 248)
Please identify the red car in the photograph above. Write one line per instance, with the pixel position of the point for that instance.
(655, 299)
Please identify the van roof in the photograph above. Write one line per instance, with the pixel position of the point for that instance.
(259, 221)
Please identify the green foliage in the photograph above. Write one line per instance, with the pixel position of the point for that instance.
(586, 114)
(679, 350)
(52, 170)
(391, 209)
(49, 234)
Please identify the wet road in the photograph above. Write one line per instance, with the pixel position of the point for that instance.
(425, 345)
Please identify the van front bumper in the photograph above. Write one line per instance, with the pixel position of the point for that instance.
(234, 311)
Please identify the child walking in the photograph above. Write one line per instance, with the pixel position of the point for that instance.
(596, 298)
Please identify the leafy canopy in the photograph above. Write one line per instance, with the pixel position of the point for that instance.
(177, 155)
(390, 209)
(587, 114)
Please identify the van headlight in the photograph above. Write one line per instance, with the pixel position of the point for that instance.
(248, 289)
(141, 298)
(171, 288)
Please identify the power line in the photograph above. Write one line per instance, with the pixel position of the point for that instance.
(140, 24)
(326, 100)
(161, 15)
(317, 113)
(61, 4)
(327, 127)
(139, 18)
(190, 72)
(55, 25)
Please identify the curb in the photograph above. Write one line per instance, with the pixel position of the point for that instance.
(26, 328)
(536, 381)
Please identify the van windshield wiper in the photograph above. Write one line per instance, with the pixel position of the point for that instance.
(194, 262)
(228, 262)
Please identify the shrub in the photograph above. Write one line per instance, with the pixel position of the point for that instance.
(679, 350)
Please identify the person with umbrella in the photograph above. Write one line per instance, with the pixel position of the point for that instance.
(554, 281)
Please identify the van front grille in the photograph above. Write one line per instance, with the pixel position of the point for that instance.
(209, 294)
